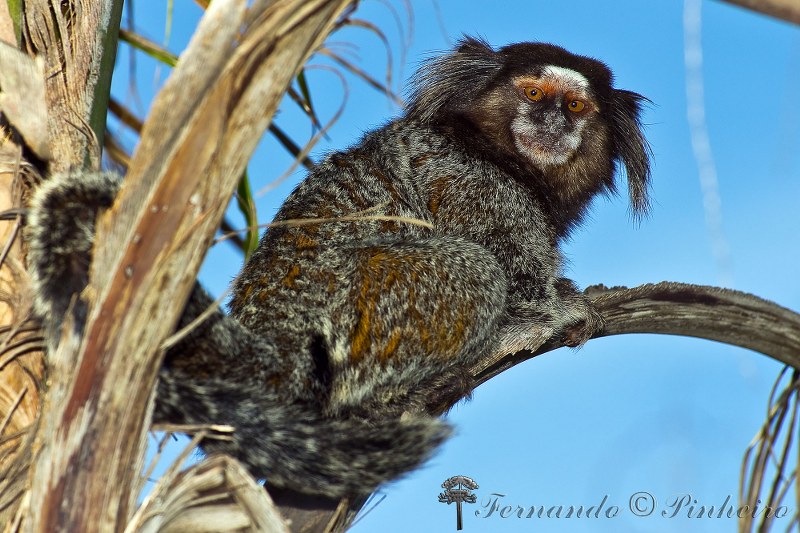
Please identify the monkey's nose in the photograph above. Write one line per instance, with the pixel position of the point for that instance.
(555, 119)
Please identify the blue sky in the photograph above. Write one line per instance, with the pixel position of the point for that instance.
(667, 415)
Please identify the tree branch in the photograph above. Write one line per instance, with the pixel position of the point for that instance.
(78, 43)
(788, 10)
(670, 308)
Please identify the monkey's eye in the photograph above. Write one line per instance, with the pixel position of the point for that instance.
(576, 106)
(533, 93)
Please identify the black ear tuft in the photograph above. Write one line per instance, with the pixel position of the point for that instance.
(631, 147)
(448, 83)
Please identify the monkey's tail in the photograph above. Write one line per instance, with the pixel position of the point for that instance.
(219, 374)
(60, 234)
(292, 446)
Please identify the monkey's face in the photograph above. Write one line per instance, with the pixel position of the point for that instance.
(555, 116)
(549, 117)
(553, 112)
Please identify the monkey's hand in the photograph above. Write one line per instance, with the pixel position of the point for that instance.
(582, 319)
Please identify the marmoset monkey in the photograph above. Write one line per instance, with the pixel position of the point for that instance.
(344, 336)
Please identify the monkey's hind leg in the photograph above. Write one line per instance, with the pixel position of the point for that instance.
(417, 315)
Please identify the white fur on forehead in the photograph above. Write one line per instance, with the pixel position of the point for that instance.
(567, 76)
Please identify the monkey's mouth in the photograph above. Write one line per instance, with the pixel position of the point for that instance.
(543, 150)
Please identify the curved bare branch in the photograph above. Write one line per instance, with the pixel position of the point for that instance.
(670, 308)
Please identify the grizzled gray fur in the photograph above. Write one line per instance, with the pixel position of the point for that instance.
(344, 337)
